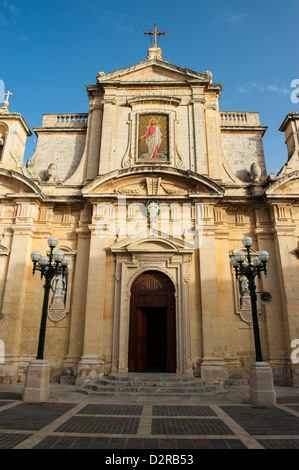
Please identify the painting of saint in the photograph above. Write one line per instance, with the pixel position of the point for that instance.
(153, 138)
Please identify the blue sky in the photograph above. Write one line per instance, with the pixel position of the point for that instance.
(51, 49)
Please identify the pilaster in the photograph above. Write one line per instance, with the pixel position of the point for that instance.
(107, 131)
(213, 365)
(227, 317)
(213, 138)
(201, 163)
(14, 298)
(76, 335)
(285, 245)
(92, 364)
(274, 346)
(93, 141)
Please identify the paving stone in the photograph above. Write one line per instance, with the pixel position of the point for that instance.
(182, 411)
(32, 416)
(6, 395)
(293, 407)
(191, 426)
(91, 424)
(9, 440)
(290, 399)
(263, 421)
(227, 444)
(167, 444)
(99, 409)
(279, 443)
(4, 403)
(115, 443)
(218, 444)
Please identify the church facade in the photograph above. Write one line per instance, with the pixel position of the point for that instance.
(150, 195)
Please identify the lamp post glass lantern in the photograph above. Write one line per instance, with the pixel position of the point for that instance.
(49, 267)
(250, 269)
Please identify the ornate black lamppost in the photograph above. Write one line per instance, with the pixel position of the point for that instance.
(49, 268)
(250, 269)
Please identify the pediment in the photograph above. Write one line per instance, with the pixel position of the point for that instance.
(4, 250)
(155, 183)
(12, 182)
(158, 243)
(288, 185)
(152, 71)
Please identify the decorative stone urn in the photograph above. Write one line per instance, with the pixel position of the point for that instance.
(255, 172)
(52, 172)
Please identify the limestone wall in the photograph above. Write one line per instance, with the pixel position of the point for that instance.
(61, 140)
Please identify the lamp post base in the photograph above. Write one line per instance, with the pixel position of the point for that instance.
(37, 383)
(261, 388)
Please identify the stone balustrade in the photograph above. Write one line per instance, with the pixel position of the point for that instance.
(65, 120)
(237, 119)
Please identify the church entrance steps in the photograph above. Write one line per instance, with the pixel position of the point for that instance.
(150, 384)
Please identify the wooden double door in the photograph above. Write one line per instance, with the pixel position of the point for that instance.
(152, 333)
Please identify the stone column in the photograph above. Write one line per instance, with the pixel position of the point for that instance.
(19, 269)
(213, 365)
(92, 364)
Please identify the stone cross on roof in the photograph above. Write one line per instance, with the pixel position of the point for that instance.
(4, 109)
(155, 52)
(7, 95)
(155, 33)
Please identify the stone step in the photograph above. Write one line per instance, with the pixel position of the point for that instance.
(164, 388)
(145, 394)
(155, 385)
(148, 377)
(122, 383)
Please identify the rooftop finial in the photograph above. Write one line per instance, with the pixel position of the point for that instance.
(155, 51)
(4, 108)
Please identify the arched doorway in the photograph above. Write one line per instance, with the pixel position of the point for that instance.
(152, 332)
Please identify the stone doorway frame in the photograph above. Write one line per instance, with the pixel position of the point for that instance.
(143, 305)
(133, 258)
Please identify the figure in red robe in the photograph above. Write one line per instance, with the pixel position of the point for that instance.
(153, 138)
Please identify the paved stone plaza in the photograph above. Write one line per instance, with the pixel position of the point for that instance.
(72, 420)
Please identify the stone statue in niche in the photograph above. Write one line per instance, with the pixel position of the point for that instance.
(58, 288)
(245, 294)
(2, 139)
